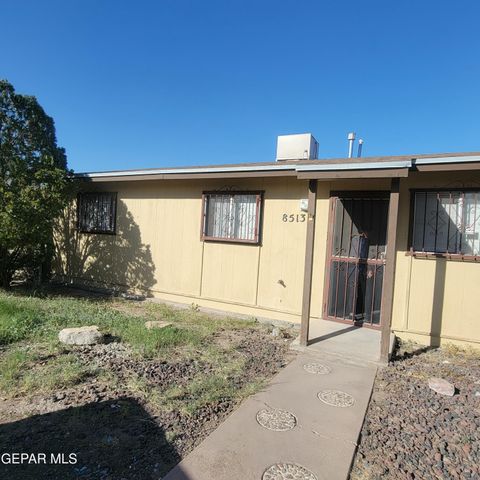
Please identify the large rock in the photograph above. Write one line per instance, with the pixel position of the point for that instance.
(81, 335)
(441, 386)
(156, 324)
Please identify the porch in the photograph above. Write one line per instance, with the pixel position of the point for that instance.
(338, 339)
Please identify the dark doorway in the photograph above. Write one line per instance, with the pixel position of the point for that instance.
(356, 257)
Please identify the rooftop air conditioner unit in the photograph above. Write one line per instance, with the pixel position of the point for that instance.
(302, 146)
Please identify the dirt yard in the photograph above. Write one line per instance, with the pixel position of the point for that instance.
(130, 408)
(412, 432)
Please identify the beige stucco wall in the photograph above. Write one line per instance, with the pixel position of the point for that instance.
(158, 248)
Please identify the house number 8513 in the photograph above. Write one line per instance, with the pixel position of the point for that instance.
(299, 217)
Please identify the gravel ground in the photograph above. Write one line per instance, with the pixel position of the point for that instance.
(412, 432)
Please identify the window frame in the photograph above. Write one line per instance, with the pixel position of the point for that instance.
(258, 220)
(425, 254)
(113, 231)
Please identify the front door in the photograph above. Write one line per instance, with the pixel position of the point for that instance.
(356, 257)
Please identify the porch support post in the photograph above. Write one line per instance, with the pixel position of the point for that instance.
(389, 274)
(308, 268)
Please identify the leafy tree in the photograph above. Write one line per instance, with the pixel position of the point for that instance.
(34, 183)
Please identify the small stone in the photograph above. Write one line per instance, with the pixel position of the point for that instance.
(133, 296)
(81, 336)
(275, 332)
(441, 386)
(477, 394)
(466, 448)
(156, 324)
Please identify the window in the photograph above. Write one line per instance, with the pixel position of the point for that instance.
(231, 216)
(446, 222)
(97, 212)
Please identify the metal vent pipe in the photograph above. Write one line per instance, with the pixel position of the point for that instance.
(360, 145)
(351, 141)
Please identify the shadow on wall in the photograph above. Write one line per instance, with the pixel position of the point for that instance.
(438, 300)
(118, 261)
(108, 440)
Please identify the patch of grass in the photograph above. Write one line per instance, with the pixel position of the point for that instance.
(40, 320)
(12, 366)
(456, 350)
(207, 324)
(221, 384)
(149, 343)
(208, 389)
(33, 361)
(141, 388)
(205, 390)
(19, 374)
(17, 320)
(61, 372)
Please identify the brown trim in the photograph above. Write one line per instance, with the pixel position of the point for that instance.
(374, 173)
(234, 192)
(258, 217)
(228, 240)
(448, 167)
(411, 219)
(389, 272)
(331, 222)
(308, 267)
(448, 256)
(360, 193)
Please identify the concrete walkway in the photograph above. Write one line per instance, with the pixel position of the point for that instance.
(341, 339)
(310, 437)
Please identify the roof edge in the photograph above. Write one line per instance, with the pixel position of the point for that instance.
(290, 168)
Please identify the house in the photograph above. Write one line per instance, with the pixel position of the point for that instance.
(389, 243)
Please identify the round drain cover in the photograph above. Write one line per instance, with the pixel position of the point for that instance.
(276, 419)
(336, 398)
(317, 368)
(288, 471)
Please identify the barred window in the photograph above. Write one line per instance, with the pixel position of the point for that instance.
(97, 212)
(232, 216)
(446, 222)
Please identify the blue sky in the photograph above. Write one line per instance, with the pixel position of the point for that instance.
(170, 83)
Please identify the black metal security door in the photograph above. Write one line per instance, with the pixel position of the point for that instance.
(356, 260)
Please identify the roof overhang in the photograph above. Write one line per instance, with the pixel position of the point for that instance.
(446, 164)
(355, 170)
(383, 167)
